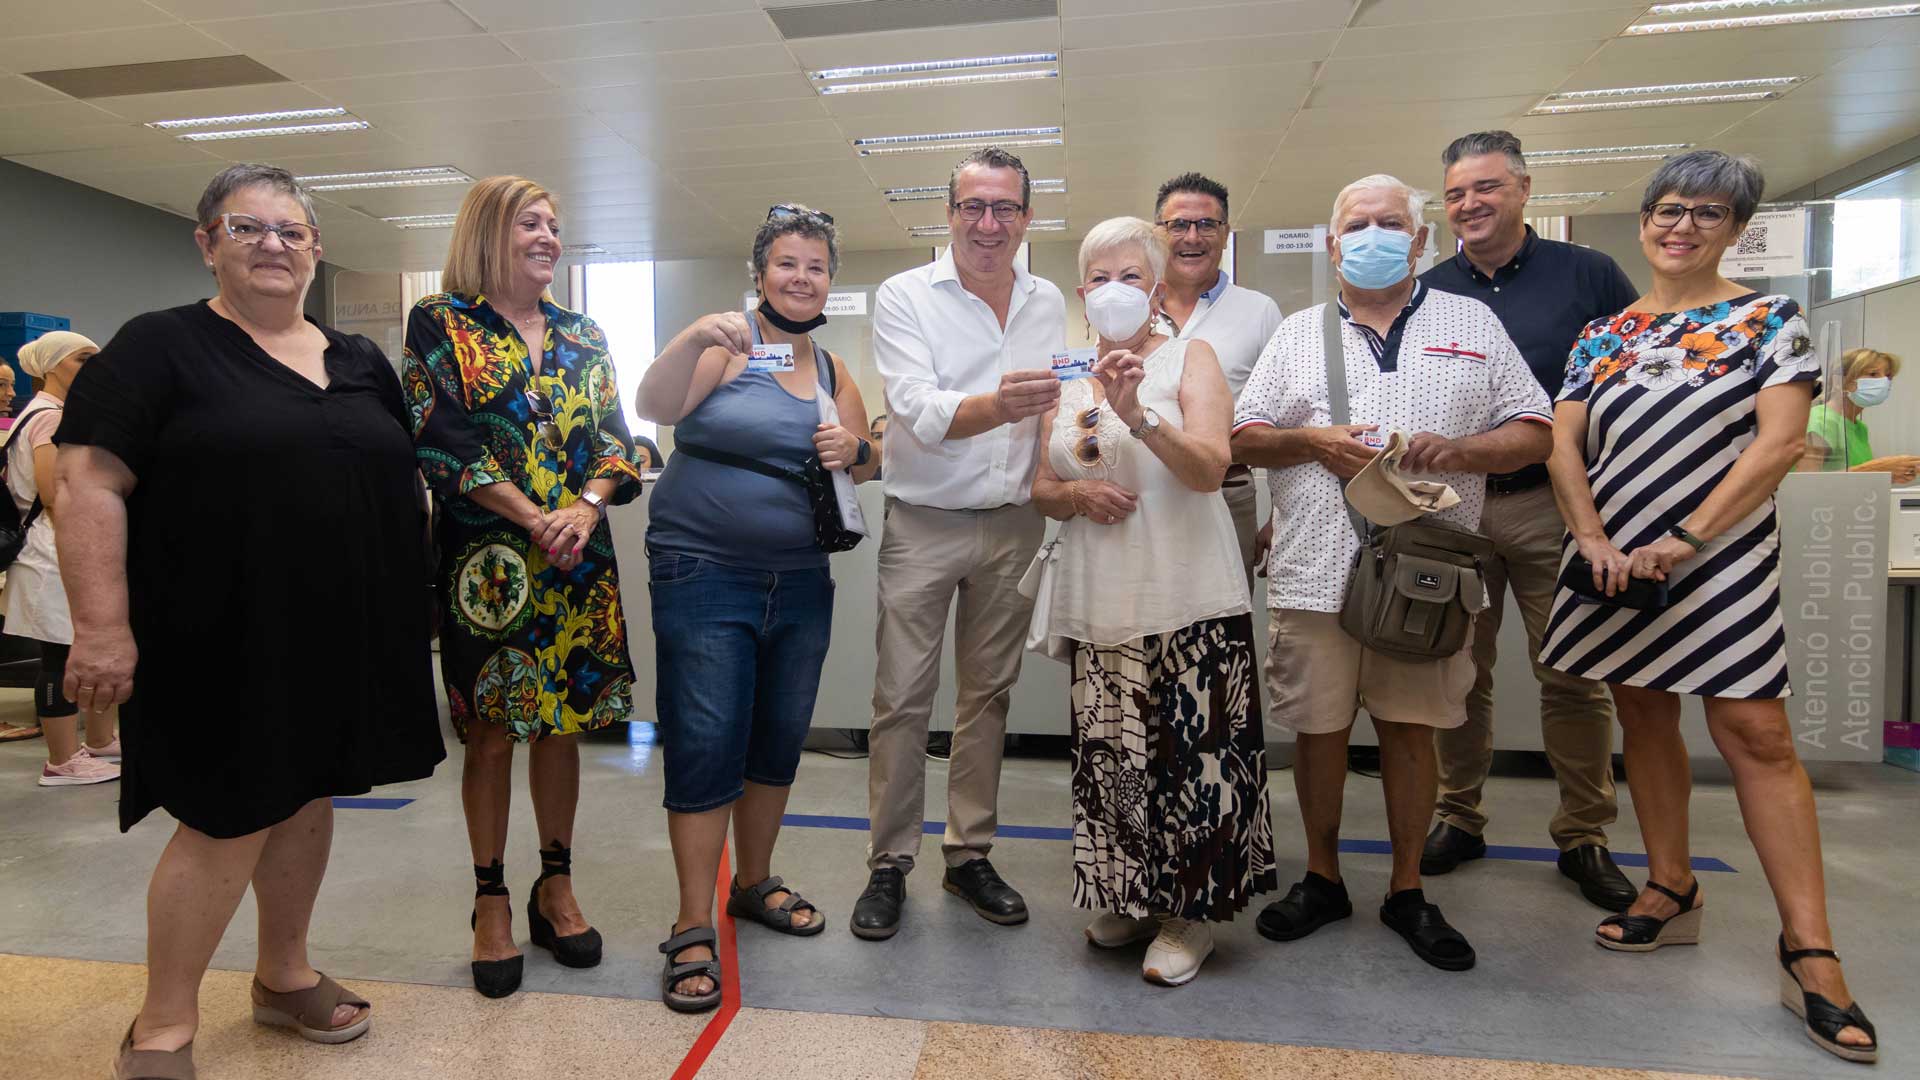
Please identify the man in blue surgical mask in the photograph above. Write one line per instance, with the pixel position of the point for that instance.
(1440, 370)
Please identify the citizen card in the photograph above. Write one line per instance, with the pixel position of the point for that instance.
(1073, 364)
(770, 358)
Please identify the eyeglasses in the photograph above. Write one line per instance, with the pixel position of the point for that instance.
(247, 229)
(975, 209)
(1705, 216)
(543, 425)
(788, 210)
(1456, 196)
(1208, 228)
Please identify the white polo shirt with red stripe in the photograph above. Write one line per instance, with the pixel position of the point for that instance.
(1446, 366)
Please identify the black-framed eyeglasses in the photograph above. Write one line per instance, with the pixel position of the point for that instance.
(1004, 211)
(788, 210)
(1456, 196)
(542, 408)
(1705, 216)
(247, 229)
(1208, 228)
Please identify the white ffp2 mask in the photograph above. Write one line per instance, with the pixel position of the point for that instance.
(1117, 310)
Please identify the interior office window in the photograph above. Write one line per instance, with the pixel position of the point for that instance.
(1876, 232)
(619, 296)
(1226, 261)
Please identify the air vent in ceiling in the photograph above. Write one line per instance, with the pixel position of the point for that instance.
(875, 16)
(162, 77)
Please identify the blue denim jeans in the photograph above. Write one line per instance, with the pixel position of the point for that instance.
(737, 657)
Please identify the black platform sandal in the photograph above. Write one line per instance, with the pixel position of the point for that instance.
(674, 973)
(580, 950)
(1645, 933)
(1824, 1019)
(494, 978)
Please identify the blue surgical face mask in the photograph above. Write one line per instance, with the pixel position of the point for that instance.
(1375, 258)
(1867, 393)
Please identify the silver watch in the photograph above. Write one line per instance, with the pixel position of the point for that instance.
(1149, 423)
(592, 498)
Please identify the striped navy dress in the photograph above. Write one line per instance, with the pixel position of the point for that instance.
(1670, 405)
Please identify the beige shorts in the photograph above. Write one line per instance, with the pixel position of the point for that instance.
(1318, 676)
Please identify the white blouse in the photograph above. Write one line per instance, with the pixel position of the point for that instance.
(1171, 563)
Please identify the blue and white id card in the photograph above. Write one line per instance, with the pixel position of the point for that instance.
(1074, 363)
(770, 358)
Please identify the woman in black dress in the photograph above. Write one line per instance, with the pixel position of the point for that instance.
(240, 489)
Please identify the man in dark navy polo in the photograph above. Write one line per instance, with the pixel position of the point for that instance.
(1544, 293)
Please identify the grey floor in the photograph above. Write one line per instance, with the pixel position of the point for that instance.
(396, 900)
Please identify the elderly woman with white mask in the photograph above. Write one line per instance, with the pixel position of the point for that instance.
(1145, 599)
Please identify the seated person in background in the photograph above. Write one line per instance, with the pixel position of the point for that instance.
(1867, 379)
(648, 453)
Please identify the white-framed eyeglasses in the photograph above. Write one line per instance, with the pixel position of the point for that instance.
(247, 229)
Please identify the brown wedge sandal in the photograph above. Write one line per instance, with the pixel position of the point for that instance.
(131, 1064)
(310, 1011)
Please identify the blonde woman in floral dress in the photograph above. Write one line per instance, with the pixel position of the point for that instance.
(520, 434)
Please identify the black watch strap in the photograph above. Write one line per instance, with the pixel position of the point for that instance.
(866, 453)
(1686, 537)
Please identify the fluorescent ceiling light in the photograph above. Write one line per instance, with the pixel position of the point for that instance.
(582, 249)
(421, 221)
(1585, 152)
(929, 192)
(246, 118)
(965, 144)
(1784, 18)
(967, 137)
(1676, 88)
(424, 176)
(1696, 6)
(258, 133)
(1048, 225)
(942, 80)
(928, 230)
(1595, 159)
(1648, 103)
(923, 66)
(1570, 197)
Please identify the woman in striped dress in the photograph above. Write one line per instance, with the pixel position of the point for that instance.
(1678, 420)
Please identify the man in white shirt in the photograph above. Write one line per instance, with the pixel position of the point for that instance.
(1190, 211)
(964, 346)
(1441, 369)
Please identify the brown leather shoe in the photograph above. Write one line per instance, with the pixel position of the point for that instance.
(131, 1064)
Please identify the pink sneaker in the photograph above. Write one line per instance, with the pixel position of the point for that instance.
(81, 768)
(109, 752)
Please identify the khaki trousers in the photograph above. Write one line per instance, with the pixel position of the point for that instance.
(927, 557)
(1576, 715)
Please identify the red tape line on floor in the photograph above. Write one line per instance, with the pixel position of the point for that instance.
(729, 981)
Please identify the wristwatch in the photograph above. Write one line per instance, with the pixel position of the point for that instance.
(866, 452)
(1686, 537)
(592, 498)
(1149, 423)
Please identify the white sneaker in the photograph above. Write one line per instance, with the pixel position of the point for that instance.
(1113, 931)
(1175, 956)
(81, 768)
(109, 752)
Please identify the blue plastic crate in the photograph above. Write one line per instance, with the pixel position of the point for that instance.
(33, 323)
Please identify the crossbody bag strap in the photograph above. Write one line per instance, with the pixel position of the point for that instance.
(33, 511)
(1333, 346)
(737, 461)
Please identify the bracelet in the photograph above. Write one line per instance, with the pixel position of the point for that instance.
(1686, 537)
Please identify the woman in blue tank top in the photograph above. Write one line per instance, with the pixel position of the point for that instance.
(742, 598)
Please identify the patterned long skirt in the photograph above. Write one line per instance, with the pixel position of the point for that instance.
(1170, 811)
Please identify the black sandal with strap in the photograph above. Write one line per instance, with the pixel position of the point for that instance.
(494, 978)
(1426, 931)
(580, 950)
(672, 975)
(1645, 933)
(1312, 903)
(1824, 1019)
(751, 903)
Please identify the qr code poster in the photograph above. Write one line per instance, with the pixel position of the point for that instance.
(1774, 245)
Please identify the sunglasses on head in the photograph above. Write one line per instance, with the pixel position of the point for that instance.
(783, 211)
(542, 408)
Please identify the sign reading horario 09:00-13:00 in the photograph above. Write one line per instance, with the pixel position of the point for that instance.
(1306, 241)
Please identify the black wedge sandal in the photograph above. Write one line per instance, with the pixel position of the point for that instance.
(494, 978)
(751, 903)
(1645, 933)
(580, 950)
(674, 973)
(1823, 1018)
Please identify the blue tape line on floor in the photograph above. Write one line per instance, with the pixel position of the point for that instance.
(344, 803)
(1354, 847)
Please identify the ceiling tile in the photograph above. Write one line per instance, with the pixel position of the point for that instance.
(671, 67)
(103, 48)
(905, 46)
(328, 29)
(20, 90)
(223, 101)
(30, 19)
(734, 29)
(1271, 49)
(1515, 31)
(505, 15)
(393, 58)
(432, 85)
